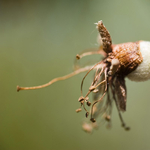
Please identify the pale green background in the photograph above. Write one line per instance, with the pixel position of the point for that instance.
(39, 41)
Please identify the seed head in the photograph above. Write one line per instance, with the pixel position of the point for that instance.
(130, 60)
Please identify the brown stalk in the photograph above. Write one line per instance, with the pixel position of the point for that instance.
(55, 80)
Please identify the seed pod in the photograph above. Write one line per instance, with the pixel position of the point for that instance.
(130, 60)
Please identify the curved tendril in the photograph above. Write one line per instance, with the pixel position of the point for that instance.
(102, 70)
(55, 79)
(102, 95)
(96, 74)
(84, 107)
(96, 78)
(82, 54)
(89, 53)
(87, 94)
(105, 108)
(100, 83)
(88, 73)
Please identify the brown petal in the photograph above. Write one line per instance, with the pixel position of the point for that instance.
(120, 90)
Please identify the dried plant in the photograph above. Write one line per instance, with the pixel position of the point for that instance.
(108, 86)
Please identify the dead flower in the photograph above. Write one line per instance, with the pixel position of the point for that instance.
(122, 60)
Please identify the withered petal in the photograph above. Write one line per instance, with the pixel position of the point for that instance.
(120, 90)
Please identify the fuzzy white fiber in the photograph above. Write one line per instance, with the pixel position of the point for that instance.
(142, 72)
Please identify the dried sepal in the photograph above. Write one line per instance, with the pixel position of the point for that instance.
(120, 90)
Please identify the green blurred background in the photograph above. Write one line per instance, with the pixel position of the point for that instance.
(39, 41)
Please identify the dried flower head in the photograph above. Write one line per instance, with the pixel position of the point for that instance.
(108, 86)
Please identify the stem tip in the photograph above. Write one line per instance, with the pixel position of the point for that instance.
(18, 88)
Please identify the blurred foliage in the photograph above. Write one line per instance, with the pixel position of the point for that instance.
(39, 41)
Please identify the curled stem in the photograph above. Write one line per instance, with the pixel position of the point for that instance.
(55, 79)
(88, 73)
(102, 95)
(87, 53)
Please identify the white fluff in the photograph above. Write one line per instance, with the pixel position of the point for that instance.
(142, 72)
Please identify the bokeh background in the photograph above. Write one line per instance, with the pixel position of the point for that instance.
(39, 41)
